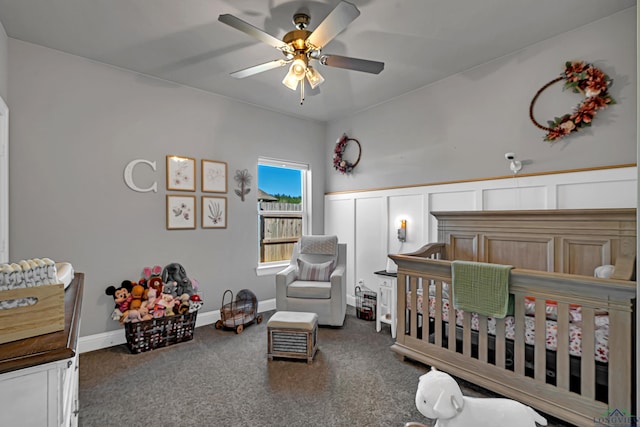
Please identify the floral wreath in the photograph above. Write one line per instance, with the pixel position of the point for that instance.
(340, 164)
(583, 78)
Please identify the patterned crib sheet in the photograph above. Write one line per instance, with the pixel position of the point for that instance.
(601, 351)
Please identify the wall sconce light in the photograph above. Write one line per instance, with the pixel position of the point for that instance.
(515, 165)
(402, 231)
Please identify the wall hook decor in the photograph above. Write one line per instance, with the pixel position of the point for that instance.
(243, 178)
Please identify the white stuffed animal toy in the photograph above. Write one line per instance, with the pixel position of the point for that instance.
(439, 397)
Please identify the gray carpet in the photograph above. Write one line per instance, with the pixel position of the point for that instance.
(224, 379)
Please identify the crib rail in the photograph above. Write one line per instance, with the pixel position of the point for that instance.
(511, 367)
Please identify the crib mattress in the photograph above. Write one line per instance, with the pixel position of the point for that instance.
(601, 350)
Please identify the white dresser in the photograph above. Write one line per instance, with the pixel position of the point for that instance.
(39, 375)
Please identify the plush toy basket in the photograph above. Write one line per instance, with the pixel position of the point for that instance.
(161, 332)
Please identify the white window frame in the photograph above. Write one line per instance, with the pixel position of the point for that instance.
(267, 268)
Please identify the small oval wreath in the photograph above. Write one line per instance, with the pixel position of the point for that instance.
(340, 164)
(583, 78)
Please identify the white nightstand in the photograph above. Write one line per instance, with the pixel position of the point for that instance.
(387, 307)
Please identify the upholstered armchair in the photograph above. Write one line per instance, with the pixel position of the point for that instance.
(315, 280)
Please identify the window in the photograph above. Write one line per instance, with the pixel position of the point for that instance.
(283, 209)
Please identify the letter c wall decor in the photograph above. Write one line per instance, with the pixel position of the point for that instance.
(128, 176)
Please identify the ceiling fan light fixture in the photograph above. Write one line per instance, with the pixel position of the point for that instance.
(314, 77)
(298, 68)
(299, 46)
(297, 72)
(290, 81)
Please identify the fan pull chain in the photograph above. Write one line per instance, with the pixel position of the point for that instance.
(301, 91)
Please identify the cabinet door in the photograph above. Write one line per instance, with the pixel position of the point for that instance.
(24, 399)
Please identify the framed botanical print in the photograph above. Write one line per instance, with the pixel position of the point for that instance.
(214, 212)
(181, 212)
(214, 176)
(181, 173)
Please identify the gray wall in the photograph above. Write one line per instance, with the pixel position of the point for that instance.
(4, 72)
(75, 124)
(461, 127)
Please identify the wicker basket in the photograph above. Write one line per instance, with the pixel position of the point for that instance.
(161, 332)
(365, 303)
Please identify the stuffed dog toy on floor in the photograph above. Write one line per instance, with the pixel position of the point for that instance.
(439, 397)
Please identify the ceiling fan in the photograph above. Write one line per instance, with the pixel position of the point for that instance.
(300, 47)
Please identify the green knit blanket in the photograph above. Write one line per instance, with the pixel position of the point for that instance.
(481, 288)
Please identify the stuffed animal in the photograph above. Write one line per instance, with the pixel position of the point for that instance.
(155, 305)
(149, 272)
(116, 314)
(137, 295)
(604, 271)
(152, 298)
(155, 283)
(170, 288)
(144, 312)
(439, 397)
(184, 304)
(121, 296)
(133, 316)
(168, 302)
(195, 303)
(175, 272)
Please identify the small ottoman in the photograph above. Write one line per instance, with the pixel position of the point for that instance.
(292, 334)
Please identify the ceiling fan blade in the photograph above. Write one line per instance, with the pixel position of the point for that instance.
(240, 74)
(254, 32)
(356, 64)
(337, 20)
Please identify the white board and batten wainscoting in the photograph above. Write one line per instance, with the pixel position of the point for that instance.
(368, 220)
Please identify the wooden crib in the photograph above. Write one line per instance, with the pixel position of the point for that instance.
(554, 253)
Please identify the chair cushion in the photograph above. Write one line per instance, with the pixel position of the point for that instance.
(319, 245)
(309, 290)
(315, 272)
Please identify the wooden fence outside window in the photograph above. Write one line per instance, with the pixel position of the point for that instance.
(279, 230)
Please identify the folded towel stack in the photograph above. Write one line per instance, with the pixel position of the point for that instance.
(28, 273)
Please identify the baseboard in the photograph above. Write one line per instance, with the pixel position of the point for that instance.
(351, 300)
(112, 338)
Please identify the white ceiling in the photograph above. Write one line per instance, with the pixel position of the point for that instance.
(420, 41)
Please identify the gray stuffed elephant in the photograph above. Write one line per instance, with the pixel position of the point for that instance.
(175, 272)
